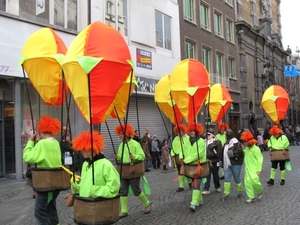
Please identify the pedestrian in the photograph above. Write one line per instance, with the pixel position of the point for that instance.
(169, 140)
(253, 166)
(233, 158)
(278, 143)
(179, 145)
(146, 150)
(130, 151)
(214, 154)
(136, 136)
(297, 136)
(165, 156)
(222, 127)
(195, 154)
(155, 153)
(45, 153)
(99, 178)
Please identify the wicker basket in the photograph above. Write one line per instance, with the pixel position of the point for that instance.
(50, 179)
(190, 170)
(131, 170)
(90, 211)
(177, 161)
(276, 155)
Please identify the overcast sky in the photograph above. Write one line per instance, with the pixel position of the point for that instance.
(290, 15)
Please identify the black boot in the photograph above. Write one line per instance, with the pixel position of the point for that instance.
(282, 182)
(270, 182)
(165, 167)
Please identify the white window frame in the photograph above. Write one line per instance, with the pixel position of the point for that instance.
(229, 30)
(231, 67)
(206, 57)
(220, 64)
(229, 2)
(164, 41)
(218, 22)
(66, 14)
(190, 49)
(204, 22)
(189, 10)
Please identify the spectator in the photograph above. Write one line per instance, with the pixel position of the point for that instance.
(155, 153)
(136, 136)
(165, 156)
(147, 153)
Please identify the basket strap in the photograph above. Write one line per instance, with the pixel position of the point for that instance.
(77, 177)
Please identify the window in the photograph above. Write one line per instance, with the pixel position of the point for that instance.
(229, 30)
(188, 10)
(163, 30)
(65, 14)
(206, 58)
(229, 2)
(218, 24)
(219, 64)
(204, 16)
(110, 15)
(2, 5)
(189, 50)
(231, 68)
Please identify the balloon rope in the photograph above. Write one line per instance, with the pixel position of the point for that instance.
(163, 119)
(197, 135)
(110, 136)
(177, 124)
(91, 127)
(137, 111)
(29, 101)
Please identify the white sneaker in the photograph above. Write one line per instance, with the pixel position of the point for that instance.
(205, 192)
(199, 203)
(259, 196)
(218, 190)
(249, 200)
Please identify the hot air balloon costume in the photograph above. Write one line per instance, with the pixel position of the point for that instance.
(253, 166)
(45, 154)
(180, 143)
(103, 182)
(130, 162)
(279, 152)
(195, 154)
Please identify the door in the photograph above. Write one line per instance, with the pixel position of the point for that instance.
(233, 120)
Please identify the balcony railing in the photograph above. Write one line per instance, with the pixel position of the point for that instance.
(218, 79)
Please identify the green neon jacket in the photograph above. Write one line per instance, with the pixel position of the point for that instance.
(106, 180)
(280, 143)
(176, 145)
(135, 149)
(222, 138)
(191, 153)
(253, 160)
(45, 153)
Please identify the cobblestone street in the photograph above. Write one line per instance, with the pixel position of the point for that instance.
(279, 205)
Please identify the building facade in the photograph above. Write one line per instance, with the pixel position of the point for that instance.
(261, 56)
(151, 30)
(208, 34)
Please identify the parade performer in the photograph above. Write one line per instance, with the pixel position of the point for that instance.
(233, 158)
(179, 144)
(130, 151)
(214, 154)
(278, 142)
(253, 167)
(45, 153)
(222, 127)
(195, 153)
(106, 177)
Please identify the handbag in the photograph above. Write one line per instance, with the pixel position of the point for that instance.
(28, 172)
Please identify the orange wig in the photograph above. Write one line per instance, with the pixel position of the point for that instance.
(181, 127)
(275, 130)
(121, 129)
(84, 143)
(247, 136)
(49, 125)
(222, 126)
(199, 128)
